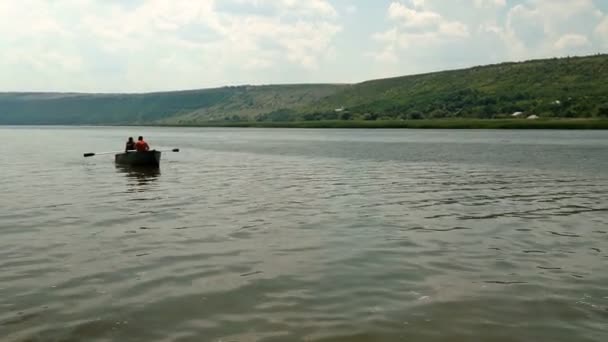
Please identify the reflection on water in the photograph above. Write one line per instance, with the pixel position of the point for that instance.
(139, 177)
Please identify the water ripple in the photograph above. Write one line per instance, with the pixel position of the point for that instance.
(328, 236)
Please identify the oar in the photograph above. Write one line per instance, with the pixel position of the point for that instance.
(173, 150)
(91, 154)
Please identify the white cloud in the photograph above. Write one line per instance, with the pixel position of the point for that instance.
(139, 45)
(490, 3)
(541, 28)
(415, 28)
(192, 40)
(569, 41)
(453, 29)
(601, 31)
(311, 7)
(308, 7)
(418, 3)
(412, 17)
(425, 33)
(387, 55)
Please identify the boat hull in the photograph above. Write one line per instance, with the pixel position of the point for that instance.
(149, 158)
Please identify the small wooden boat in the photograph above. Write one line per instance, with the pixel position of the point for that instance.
(133, 158)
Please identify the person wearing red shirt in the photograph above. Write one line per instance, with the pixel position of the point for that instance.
(141, 145)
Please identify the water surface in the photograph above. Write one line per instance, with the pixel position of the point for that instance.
(305, 235)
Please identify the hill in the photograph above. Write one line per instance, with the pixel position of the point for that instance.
(187, 107)
(564, 87)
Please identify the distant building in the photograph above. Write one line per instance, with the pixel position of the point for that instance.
(339, 110)
(532, 117)
(517, 114)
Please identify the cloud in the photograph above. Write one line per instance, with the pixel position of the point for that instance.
(570, 41)
(453, 29)
(525, 27)
(412, 17)
(308, 7)
(489, 3)
(140, 45)
(418, 3)
(419, 22)
(557, 15)
(195, 41)
(542, 28)
(414, 28)
(321, 7)
(601, 31)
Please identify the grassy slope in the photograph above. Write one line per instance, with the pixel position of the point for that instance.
(166, 107)
(40, 108)
(249, 102)
(480, 92)
(578, 83)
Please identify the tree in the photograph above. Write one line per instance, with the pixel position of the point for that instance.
(370, 116)
(346, 116)
(602, 110)
(415, 115)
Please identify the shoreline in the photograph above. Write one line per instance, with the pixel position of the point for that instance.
(497, 124)
(587, 124)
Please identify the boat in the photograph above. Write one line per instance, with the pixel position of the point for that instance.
(134, 158)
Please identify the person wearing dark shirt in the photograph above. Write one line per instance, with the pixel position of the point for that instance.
(141, 145)
(130, 145)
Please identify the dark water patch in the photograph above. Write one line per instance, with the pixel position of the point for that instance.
(500, 282)
(181, 228)
(299, 249)
(439, 216)
(424, 229)
(22, 317)
(565, 234)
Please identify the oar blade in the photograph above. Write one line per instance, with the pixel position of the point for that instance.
(89, 154)
(175, 150)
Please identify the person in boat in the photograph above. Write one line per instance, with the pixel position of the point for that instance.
(141, 145)
(130, 146)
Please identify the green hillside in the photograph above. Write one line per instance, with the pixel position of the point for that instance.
(566, 87)
(186, 107)
(251, 103)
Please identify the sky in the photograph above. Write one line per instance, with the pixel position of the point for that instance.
(159, 45)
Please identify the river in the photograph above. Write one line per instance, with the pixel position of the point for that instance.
(304, 235)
